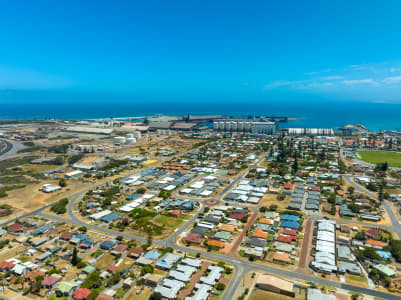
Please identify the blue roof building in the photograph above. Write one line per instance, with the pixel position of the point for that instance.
(287, 217)
(132, 196)
(80, 237)
(110, 217)
(152, 255)
(384, 254)
(107, 245)
(289, 224)
(189, 205)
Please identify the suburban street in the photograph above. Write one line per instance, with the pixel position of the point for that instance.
(241, 266)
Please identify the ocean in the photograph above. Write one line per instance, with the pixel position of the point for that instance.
(375, 116)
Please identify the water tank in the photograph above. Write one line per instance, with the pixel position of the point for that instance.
(119, 140)
(131, 140)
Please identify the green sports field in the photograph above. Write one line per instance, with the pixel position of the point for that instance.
(392, 158)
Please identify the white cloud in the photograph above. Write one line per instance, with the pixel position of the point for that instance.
(281, 83)
(354, 82)
(333, 78)
(392, 70)
(392, 80)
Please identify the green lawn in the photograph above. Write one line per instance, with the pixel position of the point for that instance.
(392, 158)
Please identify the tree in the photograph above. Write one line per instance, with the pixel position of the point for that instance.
(59, 160)
(220, 286)
(332, 198)
(295, 166)
(74, 258)
(155, 296)
(62, 182)
(372, 187)
(147, 269)
(141, 190)
(351, 190)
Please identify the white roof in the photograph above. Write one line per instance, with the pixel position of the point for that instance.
(197, 185)
(213, 276)
(202, 292)
(170, 288)
(101, 214)
(73, 173)
(206, 193)
(169, 187)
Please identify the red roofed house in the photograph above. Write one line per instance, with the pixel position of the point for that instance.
(314, 188)
(119, 249)
(16, 227)
(6, 265)
(372, 233)
(237, 216)
(175, 212)
(50, 281)
(292, 232)
(112, 268)
(67, 235)
(288, 186)
(195, 238)
(81, 293)
(104, 297)
(135, 252)
(376, 244)
(286, 238)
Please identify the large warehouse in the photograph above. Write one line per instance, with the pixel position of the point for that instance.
(245, 125)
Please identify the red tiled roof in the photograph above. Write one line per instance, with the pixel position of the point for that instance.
(104, 297)
(175, 212)
(237, 216)
(67, 235)
(120, 248)
(285, 238)
(6, 265)
(216, 243)
(49, 281)
(112, 268)
(376, 243)
(292, 232)
(372, 232)
(81, 293)
(33, 274)
(193, 238)
(16, 227)
(136, 250)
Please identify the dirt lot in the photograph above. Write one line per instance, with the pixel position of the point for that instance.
(270, 199)
(144, 295)
(261, 295)
(105, 261)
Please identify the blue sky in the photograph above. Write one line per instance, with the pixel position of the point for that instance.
(260, 50)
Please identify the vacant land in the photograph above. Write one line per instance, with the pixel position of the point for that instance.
(392, 158)
(260, 295)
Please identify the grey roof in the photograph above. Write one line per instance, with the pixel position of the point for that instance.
(343, 252)
(345, 267)
(254, 241)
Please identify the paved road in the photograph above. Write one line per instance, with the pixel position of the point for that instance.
(11, 150)
(395, 225)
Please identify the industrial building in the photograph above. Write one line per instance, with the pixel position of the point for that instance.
(310, 131)
(259, 126)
